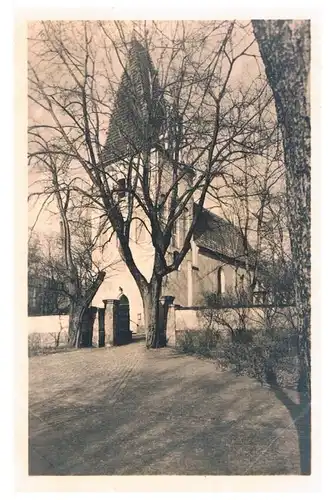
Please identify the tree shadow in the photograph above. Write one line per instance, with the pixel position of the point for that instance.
(169, 418)
(138, 337)
(301, 415)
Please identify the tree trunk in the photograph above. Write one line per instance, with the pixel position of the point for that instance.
(150, 299)
(76, 312)
(78, 306)
(285, 50)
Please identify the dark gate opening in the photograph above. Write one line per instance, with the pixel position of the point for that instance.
(124, 333)
(101, 327)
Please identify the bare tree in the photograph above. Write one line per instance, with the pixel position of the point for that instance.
(285, 50)
(172, 130)
(68, 259)
(34, 255)
(276, 263)
(251, 197)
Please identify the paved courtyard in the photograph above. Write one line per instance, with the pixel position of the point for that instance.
(126, 410)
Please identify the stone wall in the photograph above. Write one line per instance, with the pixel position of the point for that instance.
(47, 324)
(193, 319)
(176, 283)
(108, 325)
(48, 331)
(205, 276)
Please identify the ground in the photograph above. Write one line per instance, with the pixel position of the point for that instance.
(126, 410)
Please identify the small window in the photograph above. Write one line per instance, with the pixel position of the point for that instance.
(154, 178)
(118, 244)
(101, 233)
(34, 297)
(154, 159)
(184, 224)
(61, 226)
(175, 256)
(162, 209)
(221, 282)
(166, 142)
(174, 237)
(194, 254)
(121, 188)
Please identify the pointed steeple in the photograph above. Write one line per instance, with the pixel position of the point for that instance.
(138, 111)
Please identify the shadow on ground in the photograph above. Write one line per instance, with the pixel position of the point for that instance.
(127, 410)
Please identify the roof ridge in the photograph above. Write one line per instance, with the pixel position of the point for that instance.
(215, 216)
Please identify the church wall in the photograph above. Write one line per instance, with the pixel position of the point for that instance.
(118, 275)
(176, 284)
(205, 276)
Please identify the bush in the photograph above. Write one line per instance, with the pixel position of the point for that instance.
(242, 336)
(203, 342)
(34, 344)
(37, 344)
(269, 357)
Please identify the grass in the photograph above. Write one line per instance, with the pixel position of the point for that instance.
(42, 344)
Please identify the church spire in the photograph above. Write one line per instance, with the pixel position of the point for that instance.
(138, 111)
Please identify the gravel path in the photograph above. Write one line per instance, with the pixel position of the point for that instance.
(127, 410)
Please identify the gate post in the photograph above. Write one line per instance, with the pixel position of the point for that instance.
(111, 321)
(171, 326)
(87, 326)
(98, 336)
(165, 303)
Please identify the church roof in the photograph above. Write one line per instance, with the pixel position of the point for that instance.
(221, 237)
(138, 111)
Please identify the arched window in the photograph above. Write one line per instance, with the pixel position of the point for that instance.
(221, 281)
(184, 229)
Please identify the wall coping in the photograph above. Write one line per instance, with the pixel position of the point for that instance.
(110, 301)
(249, 306)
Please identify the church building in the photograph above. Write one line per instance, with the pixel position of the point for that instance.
(216, 261)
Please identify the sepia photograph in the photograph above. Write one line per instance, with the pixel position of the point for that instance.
(169, 247)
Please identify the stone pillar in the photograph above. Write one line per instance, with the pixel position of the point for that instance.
(111, 321)
(98, 333)
(101, 326)
(87, 326)
(164, 304)
(169, 319)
